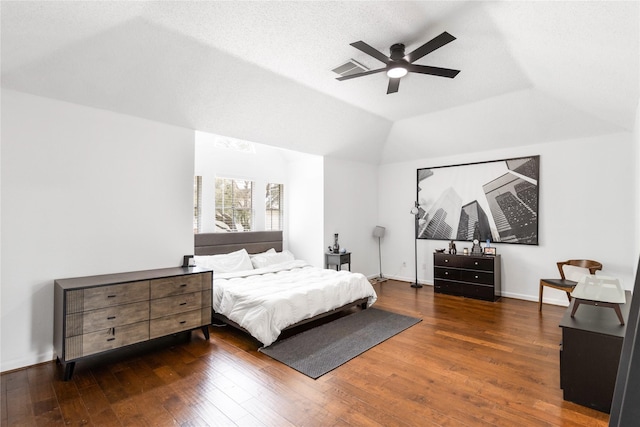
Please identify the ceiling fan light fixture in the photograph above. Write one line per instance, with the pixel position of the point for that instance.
(396, 72)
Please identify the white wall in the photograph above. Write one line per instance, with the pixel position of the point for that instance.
(84, 192)
(636, 142)
(305, 204)
(350, 209)
(588, 209)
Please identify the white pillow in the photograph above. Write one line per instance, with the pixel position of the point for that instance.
(226, 263)
(266, 260)
(270, 251)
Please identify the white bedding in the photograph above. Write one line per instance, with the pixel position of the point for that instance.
(264, 301)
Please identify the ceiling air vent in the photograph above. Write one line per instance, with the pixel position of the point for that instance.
(351, 67)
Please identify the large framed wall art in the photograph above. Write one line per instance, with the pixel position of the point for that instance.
(495, 200)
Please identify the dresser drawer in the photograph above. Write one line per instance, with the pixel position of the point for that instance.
(445, 287)
(106, 296)
(106, 339)
(178, 323)
(170, 286)
(476, 277)
(480, 292)
(463, 261)
(110, 317)
(485, 263)
(177, 304)
(446, 273)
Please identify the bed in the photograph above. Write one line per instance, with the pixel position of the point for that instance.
(272, 291)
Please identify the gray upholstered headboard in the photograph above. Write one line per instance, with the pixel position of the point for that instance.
(224, 243)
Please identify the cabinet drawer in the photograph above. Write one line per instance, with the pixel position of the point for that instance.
(106, 339)
(476, 277)
(177, 323)
(106, 296)
(463, 261)
(445, 287)
(177, 285)
(446, 273)
(110, 317)
(480, 264)
(177, 304)
(479, 292)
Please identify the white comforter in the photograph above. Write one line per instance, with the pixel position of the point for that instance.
(264, 301)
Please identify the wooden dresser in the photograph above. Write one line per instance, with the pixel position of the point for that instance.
(101, 313)
(472, 276)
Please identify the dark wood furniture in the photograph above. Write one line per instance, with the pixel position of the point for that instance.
(590, 354)
(331, 259)
(96, 314)
(563, 284)
(472, 276)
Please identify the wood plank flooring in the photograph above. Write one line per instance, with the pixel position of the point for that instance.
(468, 363)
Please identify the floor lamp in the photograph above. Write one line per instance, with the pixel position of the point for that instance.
(379, 233)
(415, 211)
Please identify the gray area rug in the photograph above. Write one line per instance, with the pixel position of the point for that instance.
(319, 350)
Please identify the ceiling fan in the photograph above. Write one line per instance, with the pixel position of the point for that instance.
(399, 64)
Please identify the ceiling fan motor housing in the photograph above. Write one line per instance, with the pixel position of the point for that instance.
(397, 52)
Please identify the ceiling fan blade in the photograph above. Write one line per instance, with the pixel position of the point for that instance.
(433, 44)
(364, 73)
(371, 51)
(394, 84)
(434, 71)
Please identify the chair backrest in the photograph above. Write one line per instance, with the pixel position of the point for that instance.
(591, 265)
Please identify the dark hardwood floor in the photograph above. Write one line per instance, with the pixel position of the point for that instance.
(468, 363)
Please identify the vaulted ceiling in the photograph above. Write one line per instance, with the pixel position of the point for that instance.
(531, 72)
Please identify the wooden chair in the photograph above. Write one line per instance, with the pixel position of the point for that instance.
(563, 283)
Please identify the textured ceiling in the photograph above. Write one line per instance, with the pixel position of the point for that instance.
(531, 72)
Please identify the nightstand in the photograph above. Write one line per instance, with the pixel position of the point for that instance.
(331, 259)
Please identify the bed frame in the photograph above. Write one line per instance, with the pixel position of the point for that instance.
(254, 242)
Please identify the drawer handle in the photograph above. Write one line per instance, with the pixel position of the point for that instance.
(476, 262)
(476, 277)
(182, 322)
(183, 303)
(446, 260)
(111, 296)
(110, 339)
(446, 273)
(111, 317)
(184, 285)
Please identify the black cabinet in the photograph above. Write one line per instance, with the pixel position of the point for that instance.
(590, 354)
(473, 276)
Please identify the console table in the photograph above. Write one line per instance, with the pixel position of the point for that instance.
(96, 314)
(472, 276)
(590, 353)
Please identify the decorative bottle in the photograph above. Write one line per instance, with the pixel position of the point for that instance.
(336, 246)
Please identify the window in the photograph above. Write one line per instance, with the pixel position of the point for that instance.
(233, 204)
(273, 207)
(197, 204)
